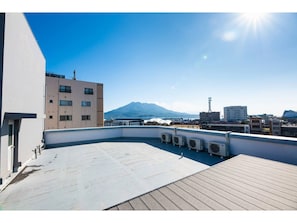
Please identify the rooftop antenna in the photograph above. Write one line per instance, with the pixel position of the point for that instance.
(209, 104)
(74, 75)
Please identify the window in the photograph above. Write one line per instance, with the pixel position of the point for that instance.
(65, 117)
(86, 104)
(50, 101)
(10, 134)
(65, 89)
(85, 117)
(65, 103)
(89, 91)
(50, 117)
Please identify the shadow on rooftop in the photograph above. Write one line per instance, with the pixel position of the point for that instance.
(202, 156)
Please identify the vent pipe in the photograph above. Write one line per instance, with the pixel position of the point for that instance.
(74, 75)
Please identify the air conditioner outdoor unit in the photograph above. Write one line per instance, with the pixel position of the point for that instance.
(166, 137)
(195, 143)
(179, 140)
(218, 148)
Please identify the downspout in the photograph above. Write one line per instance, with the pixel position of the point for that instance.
(2, 33)
(227, 137)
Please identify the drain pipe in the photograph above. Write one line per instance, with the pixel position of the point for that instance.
(35, 152)
(227, 138)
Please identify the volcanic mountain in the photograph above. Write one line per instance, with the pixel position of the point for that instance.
(145, 111)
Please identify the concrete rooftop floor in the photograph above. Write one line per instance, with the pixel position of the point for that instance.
(99, 175)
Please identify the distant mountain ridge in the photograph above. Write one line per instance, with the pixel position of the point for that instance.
(145, 111)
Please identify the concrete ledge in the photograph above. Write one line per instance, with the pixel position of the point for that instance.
(266, 138)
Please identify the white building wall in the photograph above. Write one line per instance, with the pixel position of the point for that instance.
(23, 86)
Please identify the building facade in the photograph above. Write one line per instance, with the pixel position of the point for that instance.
(235, 113)
(22, 93)
(256, 125)
(289, 130)
(73, 103)
(275, 126)
(209, 117)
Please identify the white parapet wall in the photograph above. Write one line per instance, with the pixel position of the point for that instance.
(269, 147)
(60, 137)
(282, 149)
(140, 131)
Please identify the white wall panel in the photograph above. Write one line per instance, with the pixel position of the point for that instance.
(23, 86)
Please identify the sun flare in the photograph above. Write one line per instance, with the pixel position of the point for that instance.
(254, 17)
(254, 22)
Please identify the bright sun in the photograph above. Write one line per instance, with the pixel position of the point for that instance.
(254, 17)
(254, 21)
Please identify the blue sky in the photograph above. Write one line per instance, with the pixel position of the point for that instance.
(177, 60)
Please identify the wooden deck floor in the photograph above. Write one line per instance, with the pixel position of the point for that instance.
(240, 183)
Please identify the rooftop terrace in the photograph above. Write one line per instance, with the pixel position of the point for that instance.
(99, 175)
(129, 168)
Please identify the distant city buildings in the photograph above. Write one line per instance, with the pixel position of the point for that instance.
(235, 113)
(210, 116)
(241, 128)
(124, 121)
(236, 119)
(72, 103)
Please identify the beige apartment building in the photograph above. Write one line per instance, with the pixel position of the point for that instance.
(72, 103)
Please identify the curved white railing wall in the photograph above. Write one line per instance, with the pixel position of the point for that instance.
(270, 147)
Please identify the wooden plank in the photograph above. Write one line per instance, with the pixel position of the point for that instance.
(163, 200)
(197, 204)
(177, 200)
(260, 181)
(237, 198)
(138, 204)
(151, 202)
(125, 206)
(273, 195)
(239, 190)
(287, 180)
(269, 163)
(187, 186)
(281, 174)
(255, 192)
(217, 195)
(244, 200)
